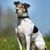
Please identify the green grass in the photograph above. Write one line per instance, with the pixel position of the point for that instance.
(47, 40)
(10, 43)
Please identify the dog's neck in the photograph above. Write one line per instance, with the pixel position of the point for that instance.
(24, 15)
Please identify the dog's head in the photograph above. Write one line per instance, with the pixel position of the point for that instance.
(21, 7)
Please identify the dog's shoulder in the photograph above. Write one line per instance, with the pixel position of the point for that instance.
(28, 20)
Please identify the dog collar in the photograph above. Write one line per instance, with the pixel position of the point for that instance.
(20, 17)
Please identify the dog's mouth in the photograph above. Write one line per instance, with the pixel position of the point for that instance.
(16, 11)
(20, 12)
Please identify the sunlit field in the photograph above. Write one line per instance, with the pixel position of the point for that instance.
(9, 42)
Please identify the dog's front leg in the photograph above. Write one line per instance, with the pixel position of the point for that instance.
(28, 42)
(20, 46)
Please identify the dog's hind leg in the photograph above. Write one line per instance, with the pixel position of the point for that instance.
(39, 41)
(33, 46)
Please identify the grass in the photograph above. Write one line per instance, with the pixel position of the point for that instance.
(9, 42)
(47, 40)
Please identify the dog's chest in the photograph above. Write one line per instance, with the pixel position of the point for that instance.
(25, 26)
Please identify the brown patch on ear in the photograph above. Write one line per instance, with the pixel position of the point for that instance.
(16, 3)
(27, 5)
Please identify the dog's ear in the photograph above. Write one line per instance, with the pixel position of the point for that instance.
(27, 5)
(16, 3)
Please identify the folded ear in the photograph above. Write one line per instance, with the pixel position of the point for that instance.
(27, 5)
(15, 3)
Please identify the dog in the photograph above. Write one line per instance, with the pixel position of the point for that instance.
(28, 35)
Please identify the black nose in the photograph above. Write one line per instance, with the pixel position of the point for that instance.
(16, 10)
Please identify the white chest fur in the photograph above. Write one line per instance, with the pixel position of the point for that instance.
(25, 26)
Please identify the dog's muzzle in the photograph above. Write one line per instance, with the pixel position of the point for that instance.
(16, 10)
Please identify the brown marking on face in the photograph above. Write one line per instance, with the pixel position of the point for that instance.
(21, 8)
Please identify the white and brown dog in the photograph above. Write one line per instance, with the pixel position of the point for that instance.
(26, 29)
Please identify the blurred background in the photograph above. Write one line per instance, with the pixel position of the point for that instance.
(39, 13)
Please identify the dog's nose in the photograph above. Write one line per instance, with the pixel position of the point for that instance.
(16, 9)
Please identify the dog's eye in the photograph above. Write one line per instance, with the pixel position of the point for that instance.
(22, 7)
(16, 6)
